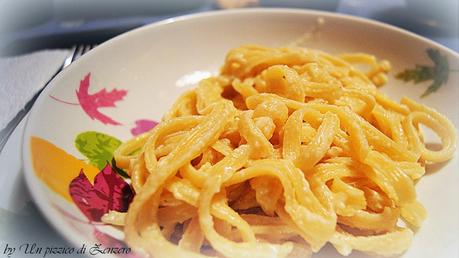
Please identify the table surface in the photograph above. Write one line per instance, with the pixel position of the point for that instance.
(19, 215)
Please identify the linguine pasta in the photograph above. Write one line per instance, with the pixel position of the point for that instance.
(286, 150)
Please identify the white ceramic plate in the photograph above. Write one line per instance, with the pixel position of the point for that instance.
(154, 64)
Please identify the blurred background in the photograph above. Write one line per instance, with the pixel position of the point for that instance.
(29, 25)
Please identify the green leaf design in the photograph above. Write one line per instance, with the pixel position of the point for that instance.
(419, 74)
(97, 147)
(438, 73)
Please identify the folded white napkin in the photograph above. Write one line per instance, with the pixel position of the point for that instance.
(22, 76)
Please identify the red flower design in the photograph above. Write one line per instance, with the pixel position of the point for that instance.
(109, 192)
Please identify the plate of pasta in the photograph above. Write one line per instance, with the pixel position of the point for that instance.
(264, 133)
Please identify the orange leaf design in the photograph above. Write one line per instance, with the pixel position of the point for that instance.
(56, 168)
